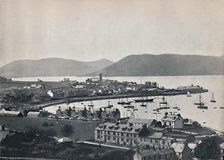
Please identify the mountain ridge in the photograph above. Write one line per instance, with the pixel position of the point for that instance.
(132, 65)
(51, 67)
(164, 65)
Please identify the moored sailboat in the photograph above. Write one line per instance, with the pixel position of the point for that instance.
(163, 101)
(200, 101)
(188, 94)
(213, 99)
(200, 104)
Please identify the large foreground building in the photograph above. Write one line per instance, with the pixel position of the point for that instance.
(121, 134)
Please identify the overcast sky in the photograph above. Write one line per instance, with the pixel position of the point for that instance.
(94, 29)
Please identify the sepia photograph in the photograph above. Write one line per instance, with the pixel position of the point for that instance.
(111, 79)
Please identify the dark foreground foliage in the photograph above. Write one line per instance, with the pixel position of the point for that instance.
(208, 149)
(38, 143)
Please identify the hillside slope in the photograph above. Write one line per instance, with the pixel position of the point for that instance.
(51, 67)
(164, 65)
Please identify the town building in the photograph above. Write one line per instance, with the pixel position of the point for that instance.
(156, 140)
(120, 134)
(222, 150)
(182, 151)
(3, 132)
(141, 122)
(3, 79)
(130, 135)
(4, 112)
(95, 80)
(172, 120)
(89, 113)
(33, 114)
(152, 154)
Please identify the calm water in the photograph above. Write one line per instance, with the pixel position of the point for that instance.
(212, 117)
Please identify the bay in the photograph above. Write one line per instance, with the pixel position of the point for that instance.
(213, 117)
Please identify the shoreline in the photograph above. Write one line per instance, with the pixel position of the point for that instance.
(82, 99)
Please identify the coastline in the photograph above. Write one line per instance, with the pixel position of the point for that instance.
(91, 98)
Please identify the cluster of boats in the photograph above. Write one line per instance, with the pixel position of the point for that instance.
(142, 100)
(163, 104)
(201, 105)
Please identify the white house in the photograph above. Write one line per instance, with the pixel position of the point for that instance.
(172, 120)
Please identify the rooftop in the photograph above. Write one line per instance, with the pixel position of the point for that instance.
(141, 121)
(154, 152)
(5, 112)
(170, 117)
(178, 147)
(119, 127)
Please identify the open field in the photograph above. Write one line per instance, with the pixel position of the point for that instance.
(83, 130)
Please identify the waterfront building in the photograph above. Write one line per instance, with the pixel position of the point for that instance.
(172, 120)
(90, 113)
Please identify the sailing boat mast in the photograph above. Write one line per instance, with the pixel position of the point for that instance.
(213, 98)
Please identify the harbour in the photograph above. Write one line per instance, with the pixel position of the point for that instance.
(185, 103)
(105, 80)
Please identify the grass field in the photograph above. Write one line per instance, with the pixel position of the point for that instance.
(83, 130)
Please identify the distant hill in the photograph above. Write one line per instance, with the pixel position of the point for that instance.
(164, 65)
(51, 67)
